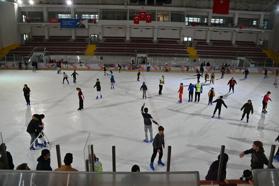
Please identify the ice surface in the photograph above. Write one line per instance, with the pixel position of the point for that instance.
(116, 120)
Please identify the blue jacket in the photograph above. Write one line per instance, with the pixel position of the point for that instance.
(191, 88)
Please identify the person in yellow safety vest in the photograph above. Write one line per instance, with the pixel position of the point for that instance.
(198, 91)
(161, 83)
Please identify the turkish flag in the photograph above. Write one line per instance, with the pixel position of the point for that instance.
(221, 6)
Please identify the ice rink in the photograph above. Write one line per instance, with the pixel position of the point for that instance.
(116, 119)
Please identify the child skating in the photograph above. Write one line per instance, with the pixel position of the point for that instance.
(211, 95)
(80, 98)
(265, 101)
(212, 78)
(98, 88)
(143, 88)
(161, 84)
(191, 89)
(138, 75)
(158, 145)
(219, 102)
(180, 92)
(247, 109)
(65, 77)
(231, 84)
(74, 74)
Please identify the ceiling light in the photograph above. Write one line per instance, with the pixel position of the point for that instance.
(31, 2)
(19, 2)
(69, 2)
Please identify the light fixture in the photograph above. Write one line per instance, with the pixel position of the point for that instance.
(31, 2)
(69, 2)
(19, 2)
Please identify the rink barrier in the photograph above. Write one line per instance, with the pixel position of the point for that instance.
(58, 155)
(113, 159)
(272, 151)
(266, 177)
(226, 183)
(169, 159)
(220, 166)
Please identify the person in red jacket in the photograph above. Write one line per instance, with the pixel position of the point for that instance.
(265, 101)
(180, 92)
(232, 83)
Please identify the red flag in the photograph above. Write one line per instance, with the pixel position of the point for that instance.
(142, 16)
(148, 18)
(221, 6)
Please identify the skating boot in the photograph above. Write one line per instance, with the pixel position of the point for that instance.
(152, 167)
(161, 163)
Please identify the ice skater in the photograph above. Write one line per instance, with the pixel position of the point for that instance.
(276, 78)
(266, 98)
(112, 80)
(80, 98)
(65, 77)
(198, 76)
(198, 91)
(191, 89)
(98, 88)
(143, 88)
(74, 74)
(246, 72)
(206, 76)
(147, 118)
(119, 67)
(26, 93)
(231, 84)
(180, 92)
(247, 109)
(265, 73)
(212, 78)
(161, 84)
(105, 70)
(158, 145)
(219, 102)
(138, 75)
(223, 70)
(211, 95)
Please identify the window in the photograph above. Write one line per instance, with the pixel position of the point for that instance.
(23, 18)
(64, 16)
(254, 23)
(90, 16)
(192, 20)
(217, 21)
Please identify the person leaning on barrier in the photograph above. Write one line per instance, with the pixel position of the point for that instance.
(68, 160)
(213, 170)
(6, 159)
(44, 161)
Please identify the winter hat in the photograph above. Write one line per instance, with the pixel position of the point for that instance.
(68, 159)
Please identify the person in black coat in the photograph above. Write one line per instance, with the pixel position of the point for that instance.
(44, 161)
(80, 98)
(158, 145)
(74, 74)
(144, 90)
(98, 87)
(246, 72)
(258, 158)
(138, 76)
(213, 169)
(147, 118)
(35, 127)
(26, 93)
(219, 102)
(247, 109)
(6, 159)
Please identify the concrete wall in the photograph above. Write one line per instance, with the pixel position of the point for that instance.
(8, 24)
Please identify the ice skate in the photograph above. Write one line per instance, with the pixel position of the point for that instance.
(161, 163)
(152, 167)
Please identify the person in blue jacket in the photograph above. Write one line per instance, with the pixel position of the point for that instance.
(191, 89)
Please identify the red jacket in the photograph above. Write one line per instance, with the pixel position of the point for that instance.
(232, 82)
(180, 91)
(266, 98)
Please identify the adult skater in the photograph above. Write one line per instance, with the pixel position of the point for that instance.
(202, 68)
(246, 72)
(143, 88)
(232, 83)
(34, 128)
(219, 102)
(266, 98)
(112, 81)
(180, 92)
(161, 84)
(158, 145)
(212, 78)
(191, 89)
(98, 88)
(258, 158)
(211, 95)
(198, 76)
(119, 67)
(26, 93)
(105, 70)
(265, 73)
(206, 77)
(138, 76)
(212, 173)
(198, 91)
(80, 98)
(147, 118)
(65, 77)
(223, 70)
(276, 78)
(74, 74)
(247, 109)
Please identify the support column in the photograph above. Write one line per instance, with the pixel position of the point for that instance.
(155, 34)
(209, 18)
(181, 36)
(235, 22)
(261, 20)
(208, 36)
(46, 32)
(73, 30)
(45, 14)
(128, 34)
